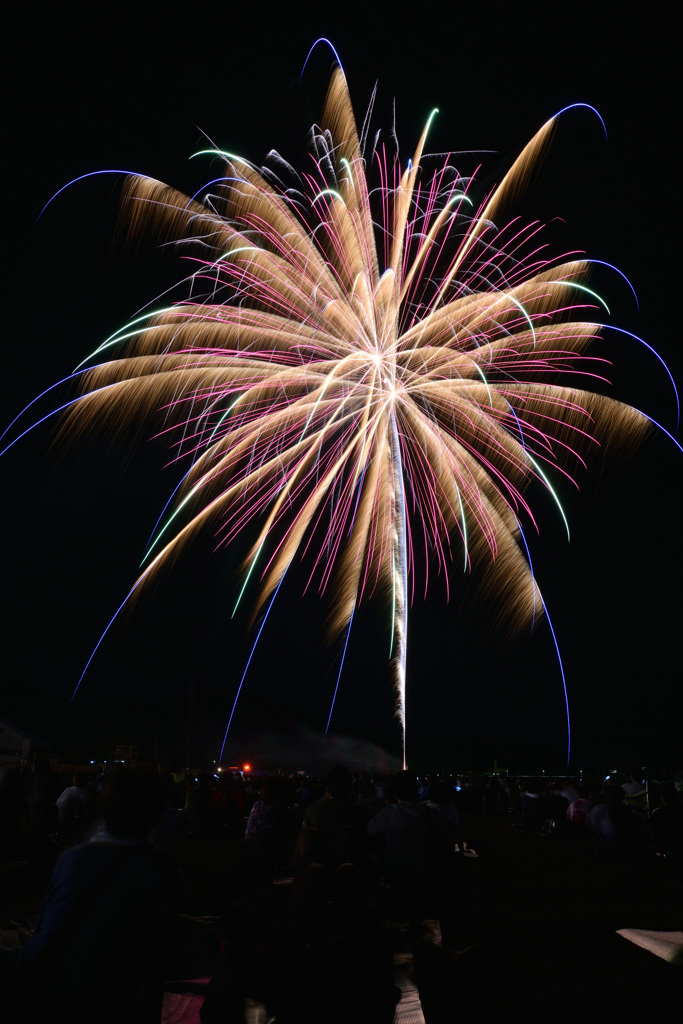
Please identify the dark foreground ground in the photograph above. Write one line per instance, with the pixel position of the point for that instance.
(528, 927)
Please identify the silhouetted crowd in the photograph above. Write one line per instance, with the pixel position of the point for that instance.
(330, 870)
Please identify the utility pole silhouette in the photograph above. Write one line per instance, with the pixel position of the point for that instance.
(191, 729)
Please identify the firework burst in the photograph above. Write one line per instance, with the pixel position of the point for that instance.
(365, 377)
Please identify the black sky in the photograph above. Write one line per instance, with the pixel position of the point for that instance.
(140, 93)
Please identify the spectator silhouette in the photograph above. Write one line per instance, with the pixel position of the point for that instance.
(406, 839)
(104, 928)
(666, 824)
(271, 830)
(334, 827)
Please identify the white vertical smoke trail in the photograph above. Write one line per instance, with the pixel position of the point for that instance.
(400, 584)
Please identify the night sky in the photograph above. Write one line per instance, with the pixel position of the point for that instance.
(142, 94)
